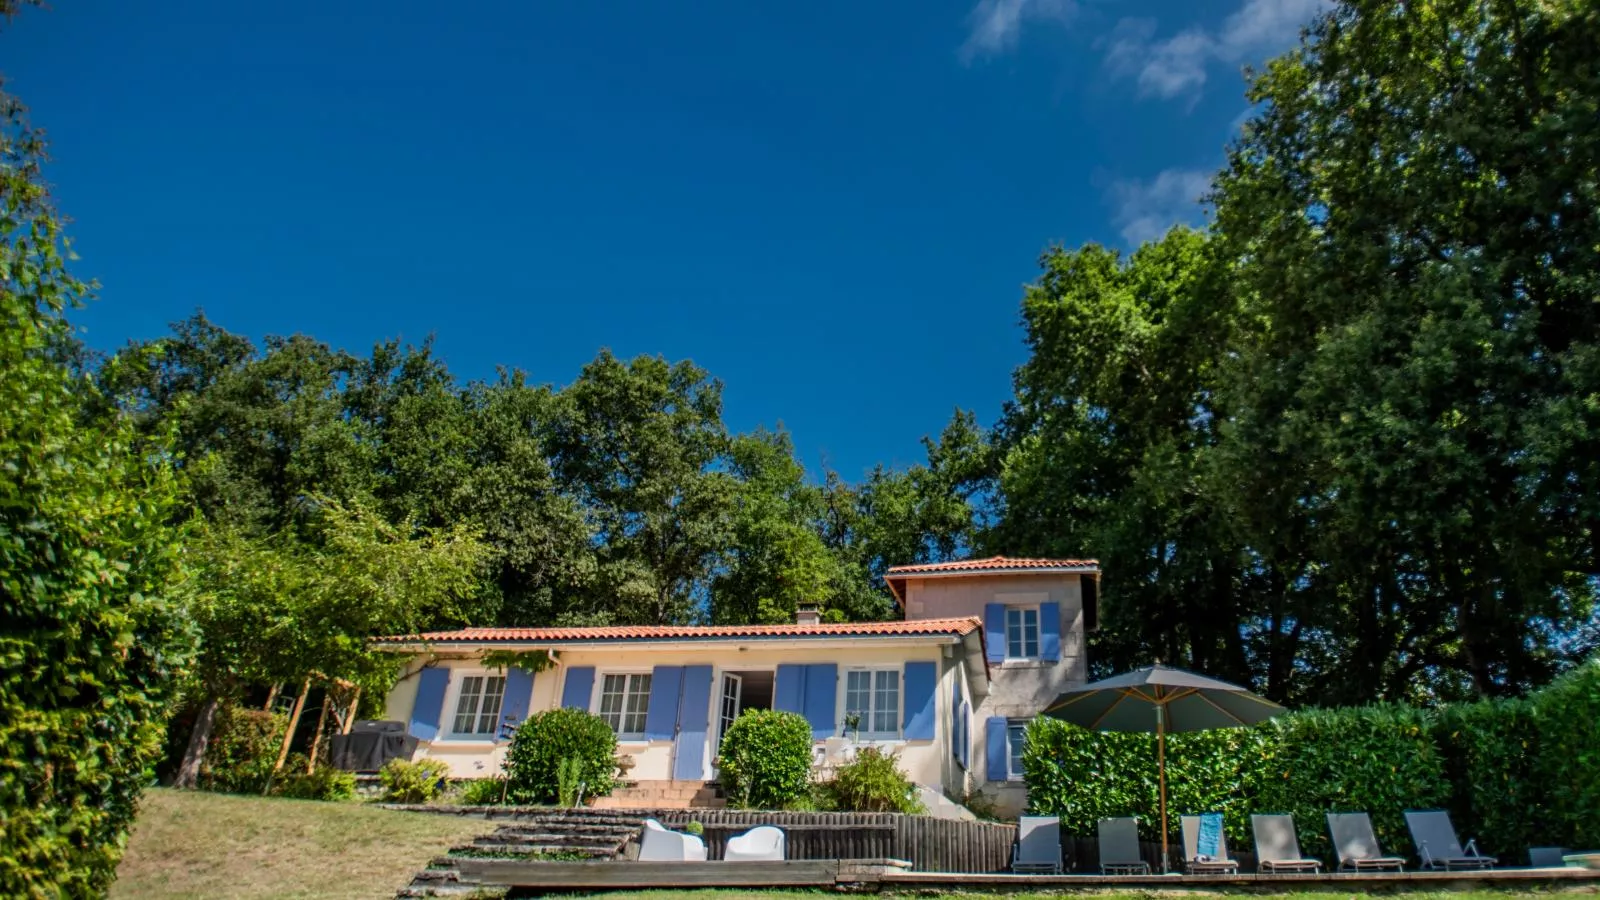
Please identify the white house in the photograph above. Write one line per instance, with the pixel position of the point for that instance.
(983, 646)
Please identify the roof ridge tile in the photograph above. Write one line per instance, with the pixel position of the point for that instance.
(957, 626)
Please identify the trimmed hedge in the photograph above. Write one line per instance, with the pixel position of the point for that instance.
(1381, 760)
(1513, 773)
(544, 740)
(95, 638)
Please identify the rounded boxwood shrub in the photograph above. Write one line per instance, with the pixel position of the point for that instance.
(544, 740)
(765, 760)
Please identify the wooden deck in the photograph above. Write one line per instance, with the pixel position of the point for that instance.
(894, 875)
(1492, 879)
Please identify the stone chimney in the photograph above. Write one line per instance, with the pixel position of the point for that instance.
(807, 614)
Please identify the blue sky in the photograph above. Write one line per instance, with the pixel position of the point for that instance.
(832, 206)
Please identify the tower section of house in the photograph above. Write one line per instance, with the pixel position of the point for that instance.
(1036, 616)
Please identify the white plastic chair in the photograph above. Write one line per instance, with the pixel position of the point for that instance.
(761, 843)
(660, 844)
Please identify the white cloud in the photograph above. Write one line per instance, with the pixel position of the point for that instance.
(1126, 43)
(994, 25)
(1146, 210)
(1269, 25)
(1175, 65)
(1178, 64)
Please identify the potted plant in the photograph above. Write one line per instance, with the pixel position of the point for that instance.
(852, 725)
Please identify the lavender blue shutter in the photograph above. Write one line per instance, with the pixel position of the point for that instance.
(996, 749)
(822, 699)
(994, 632)
(427, 709)
(789, 689)
(921, 679)
(1050, 632)
(579, 687)
(955, 719)
(518, 696)
(694, 721)
(661, 718)
(965, 745)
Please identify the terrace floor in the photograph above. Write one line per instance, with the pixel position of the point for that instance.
(896, 877)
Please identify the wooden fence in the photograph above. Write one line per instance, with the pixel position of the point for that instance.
(928, 843)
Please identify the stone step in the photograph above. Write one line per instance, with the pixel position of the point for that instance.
(476, 849)
(609, 831)
(546, 837)
(596, 820)
(634, 803)
(461, 891)
(602, 822)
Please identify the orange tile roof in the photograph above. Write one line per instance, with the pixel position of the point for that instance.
(907, 628)
(994, 565)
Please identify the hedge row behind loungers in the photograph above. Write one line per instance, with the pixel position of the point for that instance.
(1512, 773)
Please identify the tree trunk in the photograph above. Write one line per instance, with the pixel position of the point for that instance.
(272, 695)
(188, 775)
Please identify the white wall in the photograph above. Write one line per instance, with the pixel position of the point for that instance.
(925, 761)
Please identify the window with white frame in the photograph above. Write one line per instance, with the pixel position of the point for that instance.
(1022, 632)
(478, 706)
(872, 697)
(624, 701)
(1016, 736)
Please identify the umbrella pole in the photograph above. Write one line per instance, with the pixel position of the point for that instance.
(1161, 763)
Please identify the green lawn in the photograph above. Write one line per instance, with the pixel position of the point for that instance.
(188, 844)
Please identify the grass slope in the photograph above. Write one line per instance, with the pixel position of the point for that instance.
(188, 844)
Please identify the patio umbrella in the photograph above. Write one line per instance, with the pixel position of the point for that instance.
(1164, 700)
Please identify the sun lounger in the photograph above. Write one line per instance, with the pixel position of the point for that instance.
(1278, 847)
(1437, 844)
(1547, 857)
(1119, 847)
(657, 843)
(1356, 845)
(1205, 849)
(1038, 847)
(763, 842)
